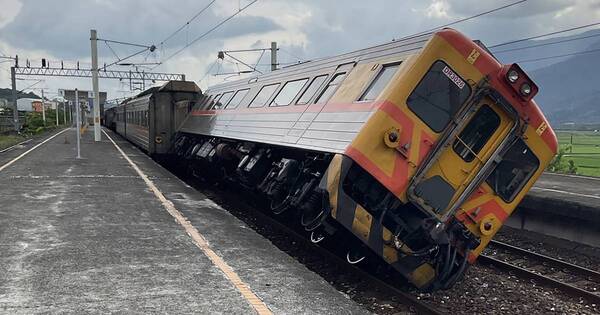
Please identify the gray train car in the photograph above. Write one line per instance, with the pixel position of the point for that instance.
(150, 119)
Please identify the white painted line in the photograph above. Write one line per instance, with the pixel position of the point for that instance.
(14, 146)
(573, 176)
(71, 176)
(259, 306)
(566, 192)
(28, 151)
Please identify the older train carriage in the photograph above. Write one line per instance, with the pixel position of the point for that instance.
(420, 148)
(150, 119)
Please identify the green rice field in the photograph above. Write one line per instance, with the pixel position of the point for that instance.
(583, 147)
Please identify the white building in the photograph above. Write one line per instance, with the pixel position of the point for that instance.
(26, 104)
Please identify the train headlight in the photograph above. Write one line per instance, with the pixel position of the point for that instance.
(525, 89)
(512, 76)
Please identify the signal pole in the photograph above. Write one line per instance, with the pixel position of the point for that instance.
(13, 80)
(94, 43)
(43, 109)
(78, 124)
(273, 56)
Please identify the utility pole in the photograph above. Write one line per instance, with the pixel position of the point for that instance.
(13, 80)
(273, 56)
(64, 112)
(78, 124)
(43, 109)
(56, 114)
(94, 43)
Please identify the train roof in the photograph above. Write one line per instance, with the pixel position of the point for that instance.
(408, 46)
(180, 86)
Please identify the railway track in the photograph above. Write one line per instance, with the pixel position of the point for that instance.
(576, 281)
(406, 298)
(380, 284)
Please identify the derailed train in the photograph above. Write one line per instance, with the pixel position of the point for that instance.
(415, 151)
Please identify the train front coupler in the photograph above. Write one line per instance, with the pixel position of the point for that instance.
(453, 243)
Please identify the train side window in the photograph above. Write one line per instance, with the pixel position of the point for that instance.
(213, 101)
(289, 92)
(311, 90)
(223, 100)
(264, 95)
(237, 99)
(379, 83)
(331, 88)
(439, 96)
(514, 171)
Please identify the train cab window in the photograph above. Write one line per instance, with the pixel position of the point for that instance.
(477, 133)
(237, 99)
(264, 95)
(288, 92)
(379, 83)
(439, 96)
(514, 171)
(311, 90)
(331, 88)
(223, 100)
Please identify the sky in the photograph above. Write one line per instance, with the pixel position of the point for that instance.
(59, 30)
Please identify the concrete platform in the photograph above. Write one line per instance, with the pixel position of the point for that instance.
(564, 206)
(90, 235)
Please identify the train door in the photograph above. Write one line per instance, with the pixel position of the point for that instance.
(464, 155)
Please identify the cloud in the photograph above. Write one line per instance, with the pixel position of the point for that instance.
(308, 29)
(10, 9)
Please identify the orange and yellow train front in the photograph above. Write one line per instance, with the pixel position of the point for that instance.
(455, 144)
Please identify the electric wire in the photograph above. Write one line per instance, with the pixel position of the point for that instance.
(188, 22)
(466, 19)
(561, 56)
(545, 44)
(207, 32)
(544, 35)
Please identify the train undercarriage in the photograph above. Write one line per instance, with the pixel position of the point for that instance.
(294, 182)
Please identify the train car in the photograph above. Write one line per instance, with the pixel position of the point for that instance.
(150, 119)
(415, 151)
(108, 119)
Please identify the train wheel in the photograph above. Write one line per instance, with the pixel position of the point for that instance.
(355, 256)
(313, 212)
(317, 236)
(281, 198)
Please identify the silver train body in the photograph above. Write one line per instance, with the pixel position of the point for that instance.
(150, 119)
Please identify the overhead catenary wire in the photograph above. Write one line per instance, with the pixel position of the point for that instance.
(561, 56)
(546, 44)
(207, 32)
(544, 35)
(467, 18)
(188, 22)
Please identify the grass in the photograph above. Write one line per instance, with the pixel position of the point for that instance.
(583, 148)
(9, 140)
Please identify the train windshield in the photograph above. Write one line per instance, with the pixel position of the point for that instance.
(439, 96)
(514, 171)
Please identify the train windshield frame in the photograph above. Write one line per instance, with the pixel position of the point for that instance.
(439, 96)
(514, 171)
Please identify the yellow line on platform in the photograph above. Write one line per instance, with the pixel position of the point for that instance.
(28, 151)
(259, 306)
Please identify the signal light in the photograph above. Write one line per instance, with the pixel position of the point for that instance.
(525, 89)
(521, 84)
(512, 76)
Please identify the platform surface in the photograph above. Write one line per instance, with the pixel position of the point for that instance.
(89, 236)
(578, 189)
